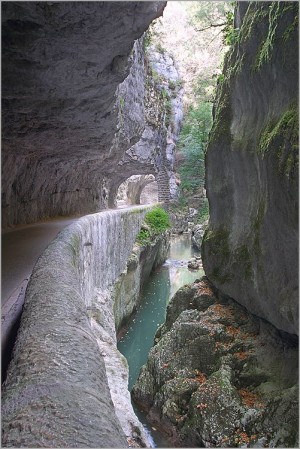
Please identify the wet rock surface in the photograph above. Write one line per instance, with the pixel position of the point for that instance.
(195, 263)
(219, 376)
(252, 167)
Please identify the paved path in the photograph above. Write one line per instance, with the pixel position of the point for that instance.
(21, 247)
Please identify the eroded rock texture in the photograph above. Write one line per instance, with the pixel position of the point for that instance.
(219, 377)
(250, 251)
(63, 133)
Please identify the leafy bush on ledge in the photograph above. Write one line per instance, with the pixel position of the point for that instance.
(156, 222)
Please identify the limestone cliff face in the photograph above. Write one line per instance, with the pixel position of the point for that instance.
(250, 249)
(150, 95)
(165, 81)
(62, 119)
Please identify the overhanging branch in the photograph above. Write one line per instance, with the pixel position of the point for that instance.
(212, 25)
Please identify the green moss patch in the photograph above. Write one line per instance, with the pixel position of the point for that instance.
(222, 120)
(264, 55)
(255, 13)
(217, 243)
(243, 259)
(282, 136)
(276, 11)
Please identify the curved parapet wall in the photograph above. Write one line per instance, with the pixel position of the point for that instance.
(56, 393)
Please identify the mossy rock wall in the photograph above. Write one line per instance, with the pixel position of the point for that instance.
(250, 250)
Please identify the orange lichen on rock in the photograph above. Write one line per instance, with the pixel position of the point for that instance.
(201, 378)
(250, 399)
(224, 346)
(243, 355)
(233, 331)
(204, 289)
(201, 406)
(242, 437)
(222, 311)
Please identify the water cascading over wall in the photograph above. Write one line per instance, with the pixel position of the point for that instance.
(56, 393)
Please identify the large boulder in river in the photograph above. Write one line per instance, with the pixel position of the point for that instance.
(250, 250)
(218, 376)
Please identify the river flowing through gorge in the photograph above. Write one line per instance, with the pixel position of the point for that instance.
(158, 290)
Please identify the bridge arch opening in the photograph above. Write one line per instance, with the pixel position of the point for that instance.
(138, 189)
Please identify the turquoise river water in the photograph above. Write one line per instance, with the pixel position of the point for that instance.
(161, 286)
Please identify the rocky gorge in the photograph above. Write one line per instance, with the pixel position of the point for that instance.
(96, 105)
(223, 371)
(218, 376)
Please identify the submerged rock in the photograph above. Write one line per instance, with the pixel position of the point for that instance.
(219, 376)
(195, 263)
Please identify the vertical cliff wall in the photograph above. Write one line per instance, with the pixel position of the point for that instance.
(62, 63)
(152, 95)
(56, 393)
(250, 251)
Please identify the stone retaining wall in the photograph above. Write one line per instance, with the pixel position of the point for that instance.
(56, 393)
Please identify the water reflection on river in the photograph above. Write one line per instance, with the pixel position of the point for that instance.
(163, 283)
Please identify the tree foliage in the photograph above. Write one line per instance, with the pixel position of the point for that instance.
(213, 22)
(192, 144)
(203, 15)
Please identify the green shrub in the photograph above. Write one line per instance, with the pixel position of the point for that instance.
(143, 237)
(158, 220)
